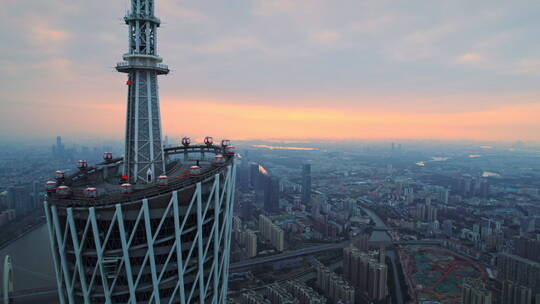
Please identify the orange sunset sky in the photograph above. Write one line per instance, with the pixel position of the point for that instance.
(279, 69)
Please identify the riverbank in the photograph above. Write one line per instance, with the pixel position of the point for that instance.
(32, 259)
(27, 230)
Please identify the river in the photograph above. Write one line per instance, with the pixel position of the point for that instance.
(377, 236)
(32, 260)
(391, 253)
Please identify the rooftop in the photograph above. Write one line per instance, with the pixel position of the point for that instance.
(106, 177)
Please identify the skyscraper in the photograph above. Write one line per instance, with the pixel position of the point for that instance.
(426, 212)
(377, 288)
(519, 270)
(58, 149)
(528, 248)
(162, 236)
(474, 291)
(272, 232)
(251, 243)
(306, 184)
(516, 294)
(334, 286)
(366, 273)
(271, 194)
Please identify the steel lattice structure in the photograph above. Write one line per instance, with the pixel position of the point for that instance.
(165, 236)
(172, 248)
(144, 159)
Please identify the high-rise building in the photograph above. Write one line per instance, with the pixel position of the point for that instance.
(528, 248)
(377, 289)
(420, 212)
(253, 175)
(365, 272)
(484, 188)
(361, 241)
(334, 286)
(426, 212)
(519, 270)
(431, 213)
(280, 295)
(272, 232)
(271, 194)
(306, 184)
(251, 243)
(448, 227)
(20, 199)
(243, 176)
(59, 151)
(251, 297)
(247, 209)
(516, 294)
(474, 291)
(304, 294)
(527, 224)
(156, 235)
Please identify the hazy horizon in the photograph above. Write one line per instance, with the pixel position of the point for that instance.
(95, 141)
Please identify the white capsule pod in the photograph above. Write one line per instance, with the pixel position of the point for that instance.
(162, 181)
(107, 156)
(127, 188)
(50, 186)
(60, 175)
(229, 151)
(90, 192)
(63, 191)
(225, 143)
(219, 160)
(195, 171)
(82, 164)
(208, 140)
(186, 141)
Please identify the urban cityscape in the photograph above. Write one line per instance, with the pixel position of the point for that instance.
(158, 215)
(332, 222)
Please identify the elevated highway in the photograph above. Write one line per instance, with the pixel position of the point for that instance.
(247, 264)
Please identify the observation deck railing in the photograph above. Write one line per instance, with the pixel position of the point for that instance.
(111, 198)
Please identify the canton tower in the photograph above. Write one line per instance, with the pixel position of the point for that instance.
(153, 226)
(144, 158)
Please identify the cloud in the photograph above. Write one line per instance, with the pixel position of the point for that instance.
(369, 55)
(430, 34)
(420, 44)
(42, 33)
(470, 58)
(232, 44)
(326, 37)
(527, 66)
(375, 24)
(270, 7)
(182, 14)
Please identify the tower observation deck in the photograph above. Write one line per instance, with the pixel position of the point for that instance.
(153, 226)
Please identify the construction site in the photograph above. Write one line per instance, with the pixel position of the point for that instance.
(436, 274)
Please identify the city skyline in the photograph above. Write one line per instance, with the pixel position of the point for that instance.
(288, 69)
